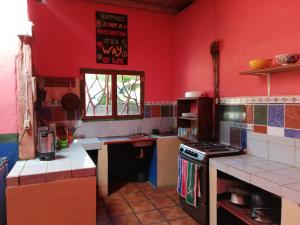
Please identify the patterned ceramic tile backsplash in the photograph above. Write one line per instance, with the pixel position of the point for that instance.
(273, 126)
(157, 115)
(278, 119)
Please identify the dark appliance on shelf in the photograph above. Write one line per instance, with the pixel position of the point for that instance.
(46, 145)
(199, 154)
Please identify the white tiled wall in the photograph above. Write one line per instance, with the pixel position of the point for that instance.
(279, 149)
(125, 127)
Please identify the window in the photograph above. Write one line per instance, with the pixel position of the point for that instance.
(112, 94)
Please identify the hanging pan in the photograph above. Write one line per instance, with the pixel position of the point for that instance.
(70, 101)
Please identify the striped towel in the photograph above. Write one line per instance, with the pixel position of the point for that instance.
(182, 177)
(179, 182)
(188, 185)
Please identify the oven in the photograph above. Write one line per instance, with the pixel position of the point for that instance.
(199, 153)
(200, 212)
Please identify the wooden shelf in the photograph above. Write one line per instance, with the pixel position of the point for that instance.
(188, 118)
(273, 70)
(270, 71)
(239, 212)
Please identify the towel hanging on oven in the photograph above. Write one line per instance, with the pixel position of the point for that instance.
(188, 185)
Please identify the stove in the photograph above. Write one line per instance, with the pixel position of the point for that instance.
(201, 151)
(199, 154)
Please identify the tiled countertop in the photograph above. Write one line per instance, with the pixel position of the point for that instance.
(72, 162)
(280, 179)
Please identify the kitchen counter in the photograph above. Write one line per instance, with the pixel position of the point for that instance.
(71, 162)
(280, 179)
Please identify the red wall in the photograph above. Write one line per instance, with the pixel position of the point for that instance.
(247, 29)
(194, 32)
(65, 41)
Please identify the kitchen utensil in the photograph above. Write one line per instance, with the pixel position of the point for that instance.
(257, 64)
(263, 215)
(259, 200)
(286, 59)
(70, 102)
(239, 196)
(192, 94)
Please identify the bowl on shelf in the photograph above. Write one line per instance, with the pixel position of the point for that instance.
(287, 59)
(257, 64)
(188, 114)
(193, 94)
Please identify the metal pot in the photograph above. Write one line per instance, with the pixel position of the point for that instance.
(260, 200)
(239, 196)
(264, 215)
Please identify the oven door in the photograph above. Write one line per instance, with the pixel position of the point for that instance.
(201, 211)
(203, 175)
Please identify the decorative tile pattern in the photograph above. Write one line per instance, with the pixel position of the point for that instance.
(165, 111)
(260, 129)
(276, 115)
(260, 114)
(147, 111)
(292, 133)
(155, 111)
(292, 118)
(249, 114)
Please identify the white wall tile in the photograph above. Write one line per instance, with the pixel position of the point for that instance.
(281, 140)
(282, 153)
(297, 158)
(258, 148)
(100, 128)
(276, 131)
(225, 132)
(257, 136)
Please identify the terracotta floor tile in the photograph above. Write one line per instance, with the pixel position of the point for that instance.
(173, 213)
(150, 217)
(162, 223)
(145, 186)
(141, 206)
(114, 199)
(103, 222)
(129, 188)
(163, 202)
(175, 199)
(184, 221)
(135, 197)
(101, 213)
(125, 220)
(171, 191)
(119, 210)
(155, 194)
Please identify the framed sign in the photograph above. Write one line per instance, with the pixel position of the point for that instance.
(111, 38)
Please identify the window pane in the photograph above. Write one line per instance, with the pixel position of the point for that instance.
(129, 94)
(98, 94)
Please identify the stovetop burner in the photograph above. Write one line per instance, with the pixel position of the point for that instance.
(203, 150)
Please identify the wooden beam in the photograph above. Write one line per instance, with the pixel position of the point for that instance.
(25, 99)
(139, 5)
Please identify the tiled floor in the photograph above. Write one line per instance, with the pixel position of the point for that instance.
(140, 204)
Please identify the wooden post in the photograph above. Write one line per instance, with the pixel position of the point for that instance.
(25, 103)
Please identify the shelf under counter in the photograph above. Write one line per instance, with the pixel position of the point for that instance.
(240, 212)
